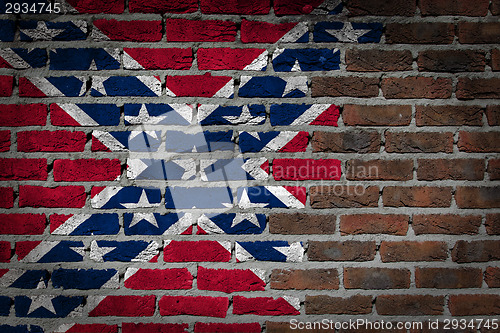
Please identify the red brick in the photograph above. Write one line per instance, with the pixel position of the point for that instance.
(181, 30)
(323, 304)
(447, 115)
(416, 196)
(451, 61)
(354, 141)
(420, 33)
(413, 251)
(385, 8)
(374, 224)
(6, 85)
(154, 328)
(227, 58)
(263, 32)
(493, 115)
(186, 251)
(125, 306)
(474, 305)
(495, 60)
(5, 251)
(344, 86)
(227, 328)
(197, 85)
(456, 169)
(378, 60)
(244, 7)
(477, 197)
(57, 197)
(478, 142)
(416, 87)
(315, 279)
(448, 278)
(301, 224)
(495, 7)
(133, 31)
(478, 32)
(56, 141)
(376, 115)
(23, 169)
(263, 306)
(454, 7)
(194, 306)
(379, 170)
(95, 7)
(86, 170)
(153, 58)
(343, 196)
(306, 169)
(409, 305)
(13, 115)
(429, 142)
(476, 251)
(492, 277)
(22, 224)
(229, 280)
(6, 197)
(4, 141)
(493, 224)
(341, 251)
(468, 88)
(153, 279)
(450, 224)
(161, 7)
(376, 278)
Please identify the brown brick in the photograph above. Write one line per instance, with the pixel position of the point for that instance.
(317, 279)
(323, 304)
(343, 196)
(449, 224)
(495, 7)
(478, 197)
(409, 305)
(378, 60)
(376, 278)
(474, 305)
(492, 277)
(416, 87)
(456, 169)
(416, 196)
(374, 224)
(448, 278)
(451, 61)
(476, 251)
(454, 7)
(448, 115)
(285, 327)
(468, 88)
(420, 33)
(341, 251)
(376, 115)
(493, 224)
(479, 32)
(384, 8)
(344, 86)
(355, 141)
(430, 142)
(493, 115)
(301, 224)
(479, 142)
(495, 59)
(494, 169)
(413, 251)
(379, 170)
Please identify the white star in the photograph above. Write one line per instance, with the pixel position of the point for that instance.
(42, 301)
(98, 84)
(142, 203)
(239, 218)
(42, 32)
(347, 33)
(245, 201)
(244, 118)
(78, 249)
(93, 66)
(144, 118)
(97, 253)
(293, 253)
(295, 82)
(138, 217)
(296, 66)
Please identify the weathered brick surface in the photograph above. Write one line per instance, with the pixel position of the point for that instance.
(493, 224)
(444, 115)
(344, 86)
(448, 278)
(492, 277)
(378, 61)
(376, 115)
(390, 7)
(376, 278)
(431, 142)
(323, 304)
(477, 33)
(317, 279)
(409, 305)
(449, 224)
(416, 87)
(475, 251)
(454, 7)
(413, 251)
(493, 115)
(398, 196)
(379, 170)
(468, 88)
(470, 305)
(340, 196)
(341, 251)
(456, 169)
(350, 141)
(420, 33)
(299, 224)
(374, 224)
(477, 197)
